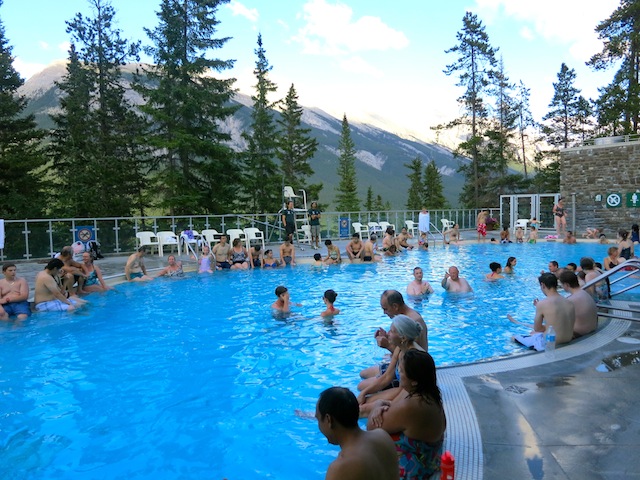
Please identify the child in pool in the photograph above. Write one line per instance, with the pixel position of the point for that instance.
(329, 298)
(317, 260)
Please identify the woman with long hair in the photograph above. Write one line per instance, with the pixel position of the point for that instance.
(415, 419)
(508, 267)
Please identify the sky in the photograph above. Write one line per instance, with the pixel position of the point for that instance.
(376, 61)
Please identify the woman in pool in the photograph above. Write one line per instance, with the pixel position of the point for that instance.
(268, 261)
(612, 259)
(508, 267)
(239, 256)
(625, 245)
(403, 334)
(94, 281)
(174, 269)
(415, 420)
(329, 298)
(206, 260)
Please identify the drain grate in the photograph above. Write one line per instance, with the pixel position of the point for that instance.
(516, 389)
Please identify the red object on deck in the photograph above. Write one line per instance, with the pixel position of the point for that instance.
(447, 466)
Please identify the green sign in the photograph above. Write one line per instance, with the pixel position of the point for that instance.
(633, 200)
(614, 200)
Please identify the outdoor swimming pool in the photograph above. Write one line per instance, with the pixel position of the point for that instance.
(193, 378)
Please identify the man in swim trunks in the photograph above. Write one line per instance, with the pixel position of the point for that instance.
(482, 224)
(14, 293)
(355, 247)
(221, 252)
(287, 253)
(289, 220)
(553, 310)
(418, 287)
(369, 455)
(585, 306)
(402, 240)
(453, 282)
(72, 271)
(368, 250)
(48, 296)
(135, 270)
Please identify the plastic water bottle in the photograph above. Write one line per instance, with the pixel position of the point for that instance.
(550, 342)
(447, 466)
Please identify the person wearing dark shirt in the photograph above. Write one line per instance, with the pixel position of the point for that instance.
(314, 223)
(289, 220)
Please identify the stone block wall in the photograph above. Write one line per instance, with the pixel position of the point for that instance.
(601, 170)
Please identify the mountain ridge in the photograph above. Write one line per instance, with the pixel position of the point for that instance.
(381, 154)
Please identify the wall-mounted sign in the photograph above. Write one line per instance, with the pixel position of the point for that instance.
(614, 200)
(598, 198)
(633, 200)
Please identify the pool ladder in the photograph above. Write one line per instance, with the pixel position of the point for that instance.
(623, 271)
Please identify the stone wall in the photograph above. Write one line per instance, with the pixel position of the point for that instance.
(601, 170)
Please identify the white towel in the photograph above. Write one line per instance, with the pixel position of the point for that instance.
(424, 222)
(1, 234)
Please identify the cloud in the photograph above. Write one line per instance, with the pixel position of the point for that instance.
(27, 70)
(357, 65)
(64, 47)
(331, 30)
(44, 45)
(567, 22)
(238, 8)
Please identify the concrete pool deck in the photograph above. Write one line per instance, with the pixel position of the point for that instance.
(527, 416)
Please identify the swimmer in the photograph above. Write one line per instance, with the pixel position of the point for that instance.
(174, 269)
(533, 235)
(329, 299)
(453, 282)
(419, 287)
(317, 260)
(496, 272)
(519, 235)
(511, 262)
(283, 303)
(569, 238)
(391, 251)
(269, 261)
(423, 241)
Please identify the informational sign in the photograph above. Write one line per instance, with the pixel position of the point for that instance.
(84, 234)
(633, 200)
(344, 227)
(614, 200)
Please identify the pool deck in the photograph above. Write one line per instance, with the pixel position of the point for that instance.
(528, 417)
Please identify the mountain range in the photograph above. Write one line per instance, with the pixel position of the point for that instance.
(381, 155)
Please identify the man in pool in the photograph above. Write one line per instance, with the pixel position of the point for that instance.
(135, 270)
(583, 303)
(418, 287)
(364, 455)
(14, 293)
(283, 303)
(554, 268)
(553, 310)
(392, 304)
(48, 296)
(453, 282)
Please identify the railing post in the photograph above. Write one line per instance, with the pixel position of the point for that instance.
(116, 232)
(26, 232)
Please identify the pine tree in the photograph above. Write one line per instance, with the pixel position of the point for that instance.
(347, 191)
(562, 127)
(433, 197)
(474, 66)
(20, 155)
(97, 135)
(620, 35)
(261, 181)
(296, 147)
(369, 203)
(416, 187)
(194, 170)
(524, 121)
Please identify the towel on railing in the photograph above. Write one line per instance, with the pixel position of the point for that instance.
(1, 234)
(424, 221)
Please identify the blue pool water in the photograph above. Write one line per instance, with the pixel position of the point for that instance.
(194, 378)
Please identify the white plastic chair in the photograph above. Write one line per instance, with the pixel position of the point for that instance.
(254, 234)
(234, 233)
(288, 193)
(211, 236)
(147, 239)
(411, 227)
(305, 230)
(521, 222)
(165, 239)
(374, 229)
(361, 229)
(385, 225)
(447, 224)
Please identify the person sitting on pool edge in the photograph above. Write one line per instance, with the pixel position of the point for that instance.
(415, 419)
(14, 294)
(48, 296)
(585, 307)
(135, 270)
(355, 247)
(553, 310)
(333, 253)
(329, 299)
(287, 253)
(365, 455)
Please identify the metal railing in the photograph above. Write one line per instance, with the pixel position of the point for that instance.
(32, 239)
(625, 270)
